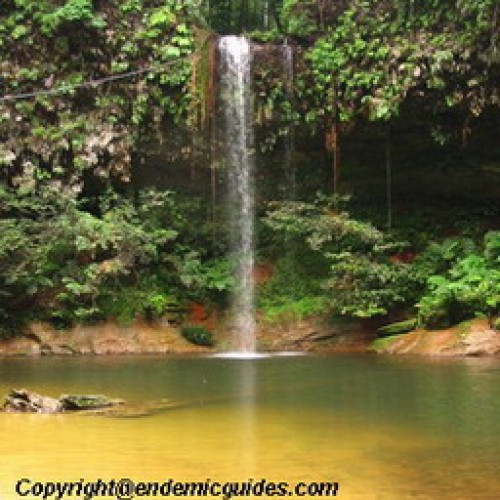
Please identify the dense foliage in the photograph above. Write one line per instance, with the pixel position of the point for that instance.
(71, 260)
(358, 279)
(465, 281)
(84, 83)
(360, 272)
(69, 55)
(369, 57)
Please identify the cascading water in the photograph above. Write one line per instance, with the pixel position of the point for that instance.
(236, 129)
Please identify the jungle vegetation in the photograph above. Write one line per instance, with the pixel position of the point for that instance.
(86, 84)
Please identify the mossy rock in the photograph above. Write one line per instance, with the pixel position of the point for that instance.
(87, 402)
(383, 343)
(397, 328)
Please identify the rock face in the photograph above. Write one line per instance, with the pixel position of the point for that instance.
(472, 338)
(23, 401)
(317, 333)
(140, 337)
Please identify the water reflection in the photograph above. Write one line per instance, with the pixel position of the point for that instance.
(246, 388)
(383, 428)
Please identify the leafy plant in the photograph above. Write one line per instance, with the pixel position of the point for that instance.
(470, 286)
(126, 259)
(364, 286)
(294, 287)
(205, 277)
(53, 48)
(359, 279)
(197, 335)
(71, 11)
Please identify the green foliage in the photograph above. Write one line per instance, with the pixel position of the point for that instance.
(240, 16)
(204, 279)
(294, 289)
(296, 309)
(124, 259)
(384, 342)
(397, 328)
(149, 298)
(360, 280)
(57, 46)
(72, 11)
(495, 323)
(298, 17)
(469, 286)
(321, 224)
(368, 57)
(197, 335)
(370, 285)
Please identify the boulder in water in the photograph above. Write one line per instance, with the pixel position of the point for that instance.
(23, 401)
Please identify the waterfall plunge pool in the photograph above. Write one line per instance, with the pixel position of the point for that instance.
(387, 428)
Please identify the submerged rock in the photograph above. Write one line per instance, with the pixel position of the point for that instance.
(88, 402)
(23, 401)
(137, 410)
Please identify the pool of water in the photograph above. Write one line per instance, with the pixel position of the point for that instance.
(383, 428)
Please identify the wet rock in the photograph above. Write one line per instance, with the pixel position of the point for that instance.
(316, 333)
(23, 401)
(88, 402)
(20, 346)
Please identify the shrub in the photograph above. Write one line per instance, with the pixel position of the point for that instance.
(66, 263)
(358, 278)
(469, 286)
(197, 335)
(294, 289)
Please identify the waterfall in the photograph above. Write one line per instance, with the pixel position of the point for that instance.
(237, 142)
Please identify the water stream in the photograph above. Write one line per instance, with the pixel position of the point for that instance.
(236, 131)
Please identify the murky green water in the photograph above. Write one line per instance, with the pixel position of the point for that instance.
(383, 428)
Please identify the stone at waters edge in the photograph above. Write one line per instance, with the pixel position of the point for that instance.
(23, 401)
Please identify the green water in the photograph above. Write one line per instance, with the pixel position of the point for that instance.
(384, 428)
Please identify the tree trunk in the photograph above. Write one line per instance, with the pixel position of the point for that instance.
(335, 139)
(388, 179)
